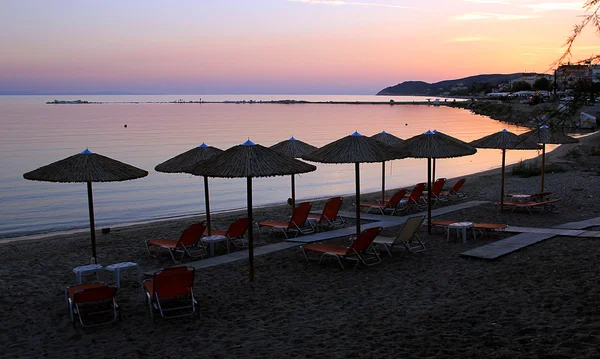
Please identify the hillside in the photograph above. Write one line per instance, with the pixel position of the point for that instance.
(411, 88)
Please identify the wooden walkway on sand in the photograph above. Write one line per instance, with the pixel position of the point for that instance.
(529, 236)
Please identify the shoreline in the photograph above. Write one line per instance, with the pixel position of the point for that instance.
(559, 150)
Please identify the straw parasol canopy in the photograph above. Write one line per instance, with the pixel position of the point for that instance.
(545, 135)
(389, 140)
(504, 140)
(434, 145)
(249, 160)
(356, 149)
(293, 148)
(187, 159)
(86, 167)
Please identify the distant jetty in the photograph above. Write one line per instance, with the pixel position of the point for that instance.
(285, 102)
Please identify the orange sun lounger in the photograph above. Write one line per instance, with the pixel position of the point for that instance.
(171, 291)
(357, 250)
(189, 243)
(296, 223)
(390, 206)
(330, 215)
(92, 300)
(235, 233)
(548, 205)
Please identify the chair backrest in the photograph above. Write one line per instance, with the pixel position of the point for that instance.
(411, 226)
(396, 198)
(416, 193)
(96, 294)
(300, 215)
(331, 209)
(191, 235)
(173, 281)
(457, 186)
(238, 228)
(365, 239)
(437, 187)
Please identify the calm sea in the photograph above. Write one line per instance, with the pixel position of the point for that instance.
(35, 134)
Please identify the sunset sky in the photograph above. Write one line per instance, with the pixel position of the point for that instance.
(275, 46)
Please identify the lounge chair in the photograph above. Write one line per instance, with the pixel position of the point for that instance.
(455, 192)
(436, 191)
(549, 205)
(390, 206)
(414, 200)
(235, 233)
(407, 237)
(329, 216)
(171, 291)
(92, 300)
(357, 251)
(296, 224)
(189, 243)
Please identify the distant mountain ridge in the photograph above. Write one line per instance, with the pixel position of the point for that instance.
(412, 88)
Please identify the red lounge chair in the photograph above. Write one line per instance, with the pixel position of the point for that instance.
(171, 290)
(549, 205)
(329, 216)
(455, 193)
(390, 206)
(415, 199)
(296, 223)
(189, 243)
(92, 300)
(406, 237)
(357, 251)
(235, 233)
(436, 191)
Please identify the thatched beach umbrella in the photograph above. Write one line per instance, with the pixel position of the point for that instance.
(434, 145)
(187, 159)
(503, 140)
(293, 148)
(86, 167)
(249, 160)
(389, 140)
(356, 149)
(544, 135)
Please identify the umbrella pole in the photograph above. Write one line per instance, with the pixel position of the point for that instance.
(502, 182)
(382, 182)
(357, 179)
(429, 195)
(433, 175)
(207, 204)
(543, 164)
(293, 194)
(250, 232)
(92, 229)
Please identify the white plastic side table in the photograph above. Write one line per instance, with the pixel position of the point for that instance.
(90, 268)
(211, 240)
(128, 267)
(460, 226)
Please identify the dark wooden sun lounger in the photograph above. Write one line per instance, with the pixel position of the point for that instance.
(548, 205)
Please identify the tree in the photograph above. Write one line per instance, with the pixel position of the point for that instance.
(541, 84)
(592, 7)
(521, 86)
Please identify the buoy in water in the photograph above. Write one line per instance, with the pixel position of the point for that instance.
(125, 126)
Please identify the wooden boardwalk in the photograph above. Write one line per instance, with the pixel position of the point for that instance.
(529, 236)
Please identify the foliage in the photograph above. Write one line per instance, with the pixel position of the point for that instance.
(592, 8)
(521, 86)
(542, 84)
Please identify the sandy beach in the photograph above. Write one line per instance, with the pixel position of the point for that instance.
(539, 302)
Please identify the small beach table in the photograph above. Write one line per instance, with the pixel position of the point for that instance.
(211, 240)
(127, 267)
(80, 271)
(461, 227)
